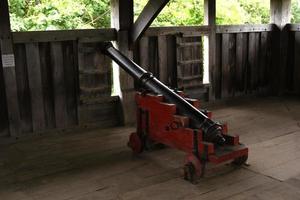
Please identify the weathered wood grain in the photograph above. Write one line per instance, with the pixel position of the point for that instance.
(253, 61)
(35, 85)
(297, 63)
(59, 86)
(228, 65)
(153, 56)
(23, 89)
(144, 52)
(172, 61)
(47, 84)
(9, 74)
(71, 74)
(162, 59)
(92, 35)
(3, 107)
(241, 62)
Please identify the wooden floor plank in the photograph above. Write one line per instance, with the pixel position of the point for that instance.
(95, 163)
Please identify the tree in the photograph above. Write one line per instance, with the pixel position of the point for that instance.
(55, 15)
(295, 11)
(28, 15)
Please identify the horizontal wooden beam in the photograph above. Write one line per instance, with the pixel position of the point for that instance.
(205, 30)
(293, 27)
(147, 16)
(185, 30)
(110, 34)
(88, 35)
(245, 28)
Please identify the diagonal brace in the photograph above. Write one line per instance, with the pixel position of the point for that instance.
(147, 16)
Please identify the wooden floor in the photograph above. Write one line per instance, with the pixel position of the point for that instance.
(96, 164)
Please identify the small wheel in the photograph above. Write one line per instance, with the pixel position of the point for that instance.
(189, 172)
(239, 161)
(135, 143)
(152, 146)
(193, 168)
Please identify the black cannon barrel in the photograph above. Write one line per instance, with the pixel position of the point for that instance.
(212, 131)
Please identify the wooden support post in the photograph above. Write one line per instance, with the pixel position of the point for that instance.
(147, 16)
(280, 12)
(122, 20)
(8, 65)
(210, 19)
(280, 15)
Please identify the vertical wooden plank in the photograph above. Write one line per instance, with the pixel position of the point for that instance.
(3, 107)
(59, 85)
(153, 56)
(269, 69)
(23, 89)
(262, 59)
(172, 61)
(290, 62)
(47, 84)
(284, 41)
(162, 59)
(8, 65)
(253, 68)
(35, 85)
(297, 63)
(216, 81)
(179, 57)
(228, 65)
(275, 61)
(70, 83)
(251, 62)
(241, 62)
(144, 55)
(76, 68)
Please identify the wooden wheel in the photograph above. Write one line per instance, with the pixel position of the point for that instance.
(193, 169)
(239, 161)
(135, 143)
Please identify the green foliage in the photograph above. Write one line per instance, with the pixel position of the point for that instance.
(27, 15)
(178, 12)
(295, 11)
(257, 11)
(230, 12)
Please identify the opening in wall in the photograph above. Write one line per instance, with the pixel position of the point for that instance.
(205, 60)
(242, 12)
(295, 11)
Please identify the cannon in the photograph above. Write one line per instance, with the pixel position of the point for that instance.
(168, 117)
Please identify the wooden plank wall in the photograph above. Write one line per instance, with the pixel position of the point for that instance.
(243, 64)
(48, 86)
(46, 77)
(243, 58)
(293, 60)
(176, 60)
